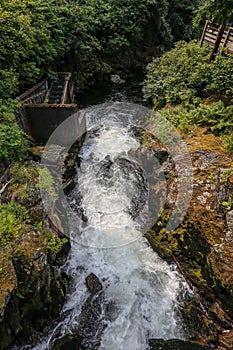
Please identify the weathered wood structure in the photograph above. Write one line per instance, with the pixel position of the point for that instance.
(210, 35)
(47, 105)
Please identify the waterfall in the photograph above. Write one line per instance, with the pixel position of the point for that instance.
(140, 292)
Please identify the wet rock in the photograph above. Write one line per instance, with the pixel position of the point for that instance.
(202, 243)
(68, 186)
(71, 342)
(197, 325)
(116, 79)
(174, 344)
(161, 155)
(217, 311)
(32, 289)
(39, 292)
(8, 281)
(8, 284)
(91, 324)
(225, 340)
(93, 284)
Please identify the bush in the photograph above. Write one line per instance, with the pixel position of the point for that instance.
(12, 216)
(216, 116)
(229, 144)
(218, 76)
(13, 143)
(177, 76)
(183, 76)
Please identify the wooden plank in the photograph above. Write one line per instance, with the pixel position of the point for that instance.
(224, 42)
(209, 42)
(212, 31)
(210, 36)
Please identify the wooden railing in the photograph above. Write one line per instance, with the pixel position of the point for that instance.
(210, 34)
(37, 94)
(60, 92)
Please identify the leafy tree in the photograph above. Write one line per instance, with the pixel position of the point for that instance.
(180, 16)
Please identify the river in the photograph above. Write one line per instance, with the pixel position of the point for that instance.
(141, 294)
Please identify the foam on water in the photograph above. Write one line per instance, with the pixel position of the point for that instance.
(143, 288)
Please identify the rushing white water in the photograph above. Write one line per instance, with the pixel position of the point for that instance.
(142, 289)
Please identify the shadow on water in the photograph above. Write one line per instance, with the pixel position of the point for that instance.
(106, 90)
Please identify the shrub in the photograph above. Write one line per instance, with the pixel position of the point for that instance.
(177, 76)
(218, 76)
(216, 116)
(183, 76)
(229, 144)
(13, 143)
(12, 216)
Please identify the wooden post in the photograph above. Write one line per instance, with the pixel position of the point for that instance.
(217, 43)
(226, 39)
(203, 33)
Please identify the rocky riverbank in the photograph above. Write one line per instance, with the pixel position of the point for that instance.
(202, 244)
(32, 284)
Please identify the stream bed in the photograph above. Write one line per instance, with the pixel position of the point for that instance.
(139, 296)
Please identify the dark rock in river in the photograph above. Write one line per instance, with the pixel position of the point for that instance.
(71, 342)
(93, 283)
(174, 344)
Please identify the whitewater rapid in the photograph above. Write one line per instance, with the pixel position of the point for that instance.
(111, 199)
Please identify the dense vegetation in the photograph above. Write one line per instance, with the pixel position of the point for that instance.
(182, 80)
(90, 38)
(38, 36)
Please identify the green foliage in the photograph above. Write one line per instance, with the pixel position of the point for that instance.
(217, 76)
(229, 143)
(38, 36)
(13, 143)
(216, 116)
(228, 204)
(32, 38)
(179, 17)
(12, 216)
(46, 183)
(55, 244)
(218, 11)
(23, 176)
(178, 116)
(177, 76)
(183, 76)
(23, 173)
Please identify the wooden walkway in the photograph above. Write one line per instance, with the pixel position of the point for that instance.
(59, 92)
(210, 34)
(46, 105)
